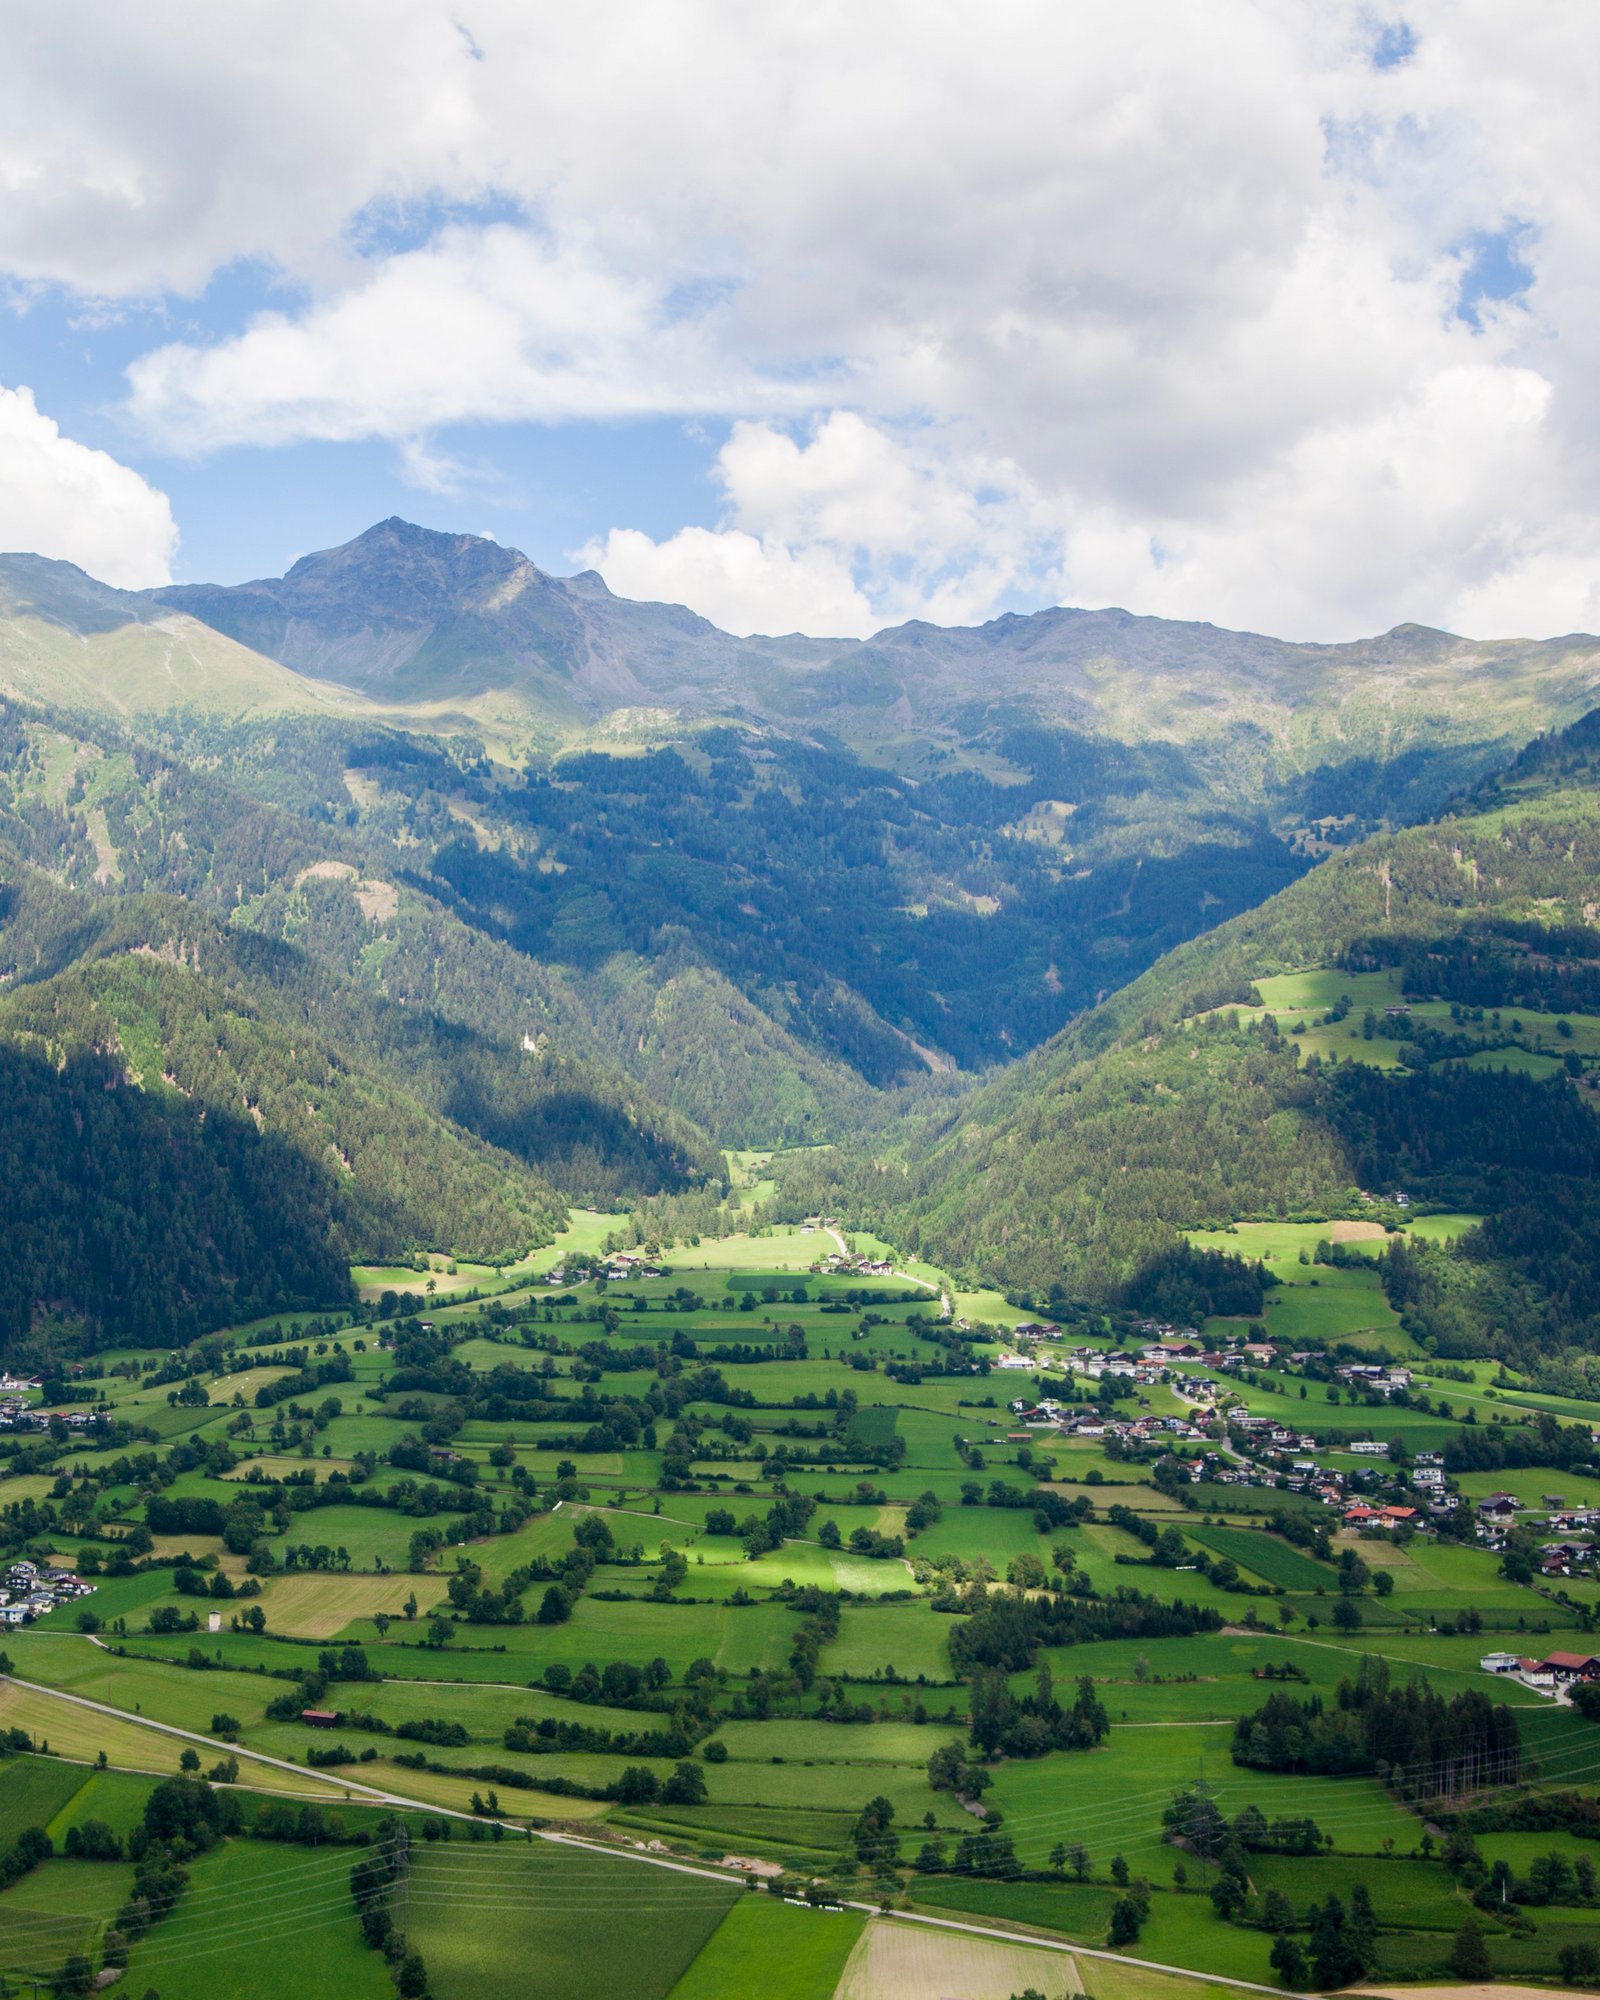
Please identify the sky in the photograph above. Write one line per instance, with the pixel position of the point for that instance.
(823, 316)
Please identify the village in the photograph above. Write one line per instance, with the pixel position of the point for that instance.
(31, 1591)
(1220, 1442)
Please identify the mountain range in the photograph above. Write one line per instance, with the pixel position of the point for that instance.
(421, 893)
(455, 628)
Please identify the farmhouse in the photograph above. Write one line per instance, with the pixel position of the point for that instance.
(1564, 1667)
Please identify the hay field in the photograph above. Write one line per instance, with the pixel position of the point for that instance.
(910, 1962)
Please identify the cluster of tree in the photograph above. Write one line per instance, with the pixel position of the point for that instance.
(1186, 1286)
(1501, 963)
(546, 1734)
(1342, 1945)
(1007, 1725)
(1006, 1630)
(1411, 1736)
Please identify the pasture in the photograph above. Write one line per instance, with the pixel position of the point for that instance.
(597, 1929)
(801, 1954)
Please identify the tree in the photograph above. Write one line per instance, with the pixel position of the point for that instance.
(411, 1977)
(1469, 1955)
(1119, 1871)
(686, 1786)
(1332, 1961)
(876, 1842)
(1347, 1615)
(189, 1761)
(1127, 1920)
(1361, 1929)
(1288, 1961)
(75, 1978)
(1194, 1817)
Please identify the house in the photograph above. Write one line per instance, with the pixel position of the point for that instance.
(1499, 1663)
(320, 1718)
(1368, 1448)
(1498, 1506)
(1564, 1667)
(1013, 1361)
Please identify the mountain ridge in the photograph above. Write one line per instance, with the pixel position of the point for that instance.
(455, 631)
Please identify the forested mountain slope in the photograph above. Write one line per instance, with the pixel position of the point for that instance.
(779, 882)
(1419, 1015)
(191, 1136)
(765, 933)
(205, 1120)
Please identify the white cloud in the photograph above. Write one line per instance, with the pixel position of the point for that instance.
(481, 325)
(64, 499)
(737, 580)
(1144, 301)
(839, 532)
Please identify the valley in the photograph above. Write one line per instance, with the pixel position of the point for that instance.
(700, 1553)
(945, 1340)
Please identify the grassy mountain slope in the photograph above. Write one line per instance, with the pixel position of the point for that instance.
(1180, 1104)
(69, 642)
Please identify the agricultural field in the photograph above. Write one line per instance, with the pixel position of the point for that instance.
(752, 1562)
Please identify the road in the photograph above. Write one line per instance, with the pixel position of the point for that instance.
(375, 1794)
